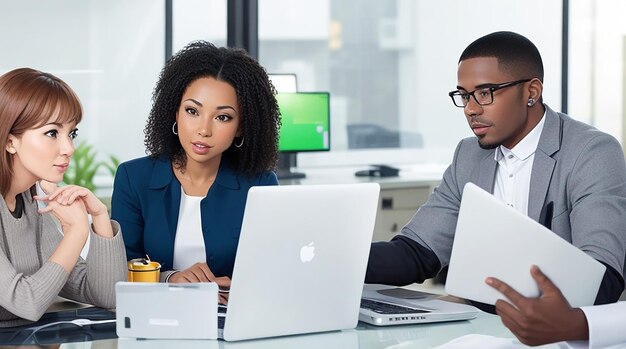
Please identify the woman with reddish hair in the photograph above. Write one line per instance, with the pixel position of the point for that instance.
(40, 256)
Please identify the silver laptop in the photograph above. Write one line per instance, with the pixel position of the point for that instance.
(301, 260)
(493, 239)
(384, 305)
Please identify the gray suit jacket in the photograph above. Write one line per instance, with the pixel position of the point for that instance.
(577, 169)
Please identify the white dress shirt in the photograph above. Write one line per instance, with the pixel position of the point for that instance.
(606, 327)
(607, 323)
(189, 242)
(515, 166)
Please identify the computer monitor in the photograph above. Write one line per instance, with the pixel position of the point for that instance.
(284, 82)
(305, 118)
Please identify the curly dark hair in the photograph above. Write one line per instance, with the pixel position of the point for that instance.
(258, 108)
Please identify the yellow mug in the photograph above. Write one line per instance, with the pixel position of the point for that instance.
(143, 270)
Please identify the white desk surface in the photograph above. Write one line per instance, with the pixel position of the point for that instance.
(363, 337)
(409, 176)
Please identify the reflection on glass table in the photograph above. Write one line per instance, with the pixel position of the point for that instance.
(347, 339)
(363, 337)
(78, 325)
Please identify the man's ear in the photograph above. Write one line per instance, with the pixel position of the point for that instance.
(535, 89)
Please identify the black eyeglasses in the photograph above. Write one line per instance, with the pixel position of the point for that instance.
(484, 96)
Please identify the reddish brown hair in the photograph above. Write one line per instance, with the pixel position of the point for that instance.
(29, 99)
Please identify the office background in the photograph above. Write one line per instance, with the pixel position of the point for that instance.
(387, 64)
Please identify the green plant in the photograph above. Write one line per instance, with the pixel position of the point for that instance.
(83, 166)
(111, 164)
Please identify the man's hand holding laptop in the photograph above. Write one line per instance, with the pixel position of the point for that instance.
(536, 321)
(200, 272)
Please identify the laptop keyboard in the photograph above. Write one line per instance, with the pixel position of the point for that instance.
(221, 316)
(386, 308)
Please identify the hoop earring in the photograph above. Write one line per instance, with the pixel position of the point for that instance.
(238, 145)
(174, 129)
(531, 102)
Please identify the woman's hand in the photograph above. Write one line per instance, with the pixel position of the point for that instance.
(73, 219)
(72, 216)
(200, 272)
(68, 194)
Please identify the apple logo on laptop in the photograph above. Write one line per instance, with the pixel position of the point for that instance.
(307, 252)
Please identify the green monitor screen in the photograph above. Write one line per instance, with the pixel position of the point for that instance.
(305, 120)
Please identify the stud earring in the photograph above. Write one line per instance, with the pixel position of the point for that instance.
(531, 102)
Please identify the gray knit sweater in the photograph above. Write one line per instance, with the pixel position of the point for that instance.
(29, 283)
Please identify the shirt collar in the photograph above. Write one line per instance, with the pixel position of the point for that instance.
(526, 147)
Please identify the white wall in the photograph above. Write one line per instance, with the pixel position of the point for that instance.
(443, 29)
(198, 20)
(430, 38)
(294, 19)
(109, 52)
(608, 65)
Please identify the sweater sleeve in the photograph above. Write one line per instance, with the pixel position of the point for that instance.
(28, 296)
(93, 280)
(29, 287)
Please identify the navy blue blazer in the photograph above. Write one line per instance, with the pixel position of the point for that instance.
(146, 202)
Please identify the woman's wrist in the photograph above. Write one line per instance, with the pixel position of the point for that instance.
(102, 212)
(101, 225)
(169, 276)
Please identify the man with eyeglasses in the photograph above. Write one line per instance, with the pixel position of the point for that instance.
(561, 172)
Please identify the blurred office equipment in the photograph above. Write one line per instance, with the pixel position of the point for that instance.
(284, 82)
(305, 118)
(366, 135)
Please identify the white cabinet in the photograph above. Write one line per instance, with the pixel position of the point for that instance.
(396, 207)
(400, 196)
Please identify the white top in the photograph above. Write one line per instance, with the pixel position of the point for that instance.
(606, 326)
(189, 242)
(515, 166)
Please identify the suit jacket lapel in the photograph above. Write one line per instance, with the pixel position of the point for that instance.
(164, 181)
(487, 172)
(543, 164)
(171, 200)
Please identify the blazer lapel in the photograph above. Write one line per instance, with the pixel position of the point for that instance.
(171, 200)
(164, 181)
(487, 172)
(543, 164)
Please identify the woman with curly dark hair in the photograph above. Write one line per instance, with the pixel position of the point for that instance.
(211, 135)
